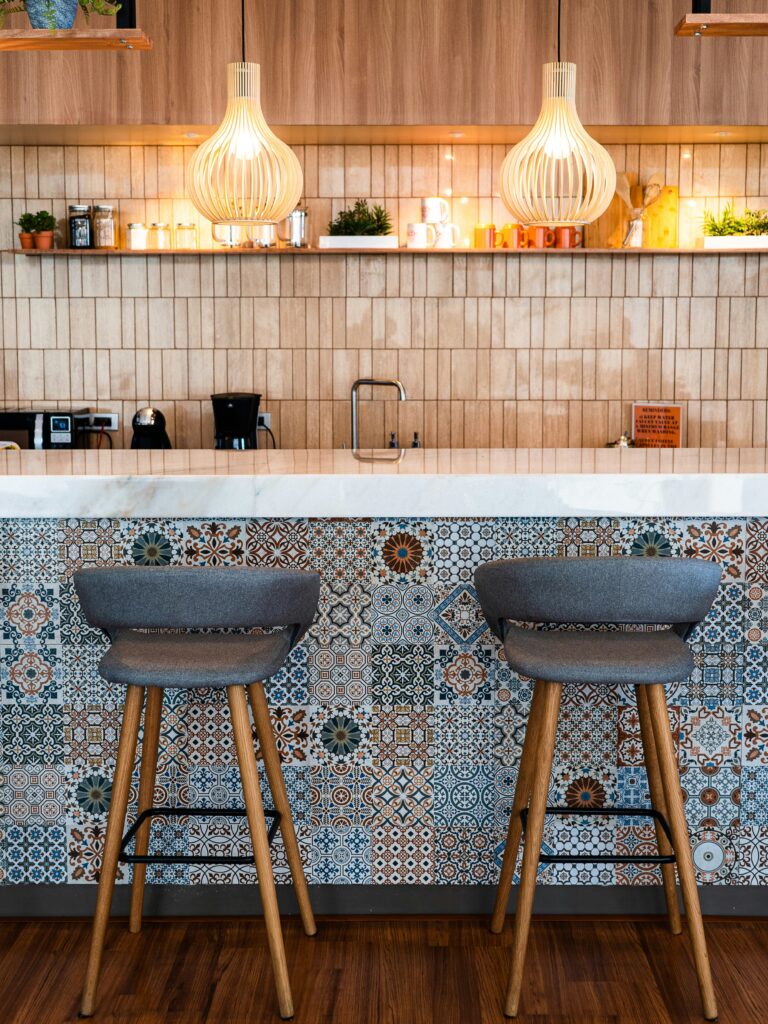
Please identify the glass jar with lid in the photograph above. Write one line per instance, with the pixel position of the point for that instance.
(186, 236)
(136, 237)
(104, 234)
(80, 227)
(160, 236)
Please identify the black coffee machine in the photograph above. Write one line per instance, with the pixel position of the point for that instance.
(149, 429)
(236, 420)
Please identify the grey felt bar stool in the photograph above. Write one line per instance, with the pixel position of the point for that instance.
(126, 600)
(675, 592)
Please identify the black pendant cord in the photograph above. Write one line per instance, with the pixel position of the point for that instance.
(559, 13)
(242, 24)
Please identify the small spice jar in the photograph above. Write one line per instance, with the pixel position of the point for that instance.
(186, 236)
(136, 237)
(160, 236)
(104, 227)
(80, 227)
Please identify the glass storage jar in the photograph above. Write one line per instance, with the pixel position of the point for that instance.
(80, 227)
(104, 228)
(160, 236)
(136, 237)
(186, 236)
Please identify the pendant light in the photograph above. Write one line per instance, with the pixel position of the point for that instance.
(243, 175)
(558, 174)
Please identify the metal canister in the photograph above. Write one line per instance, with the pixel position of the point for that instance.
(296, 230)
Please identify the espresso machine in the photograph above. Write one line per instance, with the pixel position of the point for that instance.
(149, 429)
(236, 420)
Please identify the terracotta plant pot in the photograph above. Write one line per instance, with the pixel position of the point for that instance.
(26, 240)
(43, 239)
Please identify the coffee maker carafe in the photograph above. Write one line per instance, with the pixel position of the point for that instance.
(236, 419)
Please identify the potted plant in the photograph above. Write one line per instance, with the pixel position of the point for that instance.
(55, 14)
(44, 226)
(360, 227)
(731, 231)
(26, 224)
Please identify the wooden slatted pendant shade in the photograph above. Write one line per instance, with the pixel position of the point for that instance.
(558, 174)
(243, 174)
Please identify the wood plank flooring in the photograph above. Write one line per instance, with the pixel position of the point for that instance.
(382, 971)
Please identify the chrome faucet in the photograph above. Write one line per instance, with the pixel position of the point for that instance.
(355, 411)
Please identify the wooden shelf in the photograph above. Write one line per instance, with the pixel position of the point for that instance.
(221, 251)
(75, 39)
(723, 25)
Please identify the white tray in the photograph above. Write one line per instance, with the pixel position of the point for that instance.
(359, 241)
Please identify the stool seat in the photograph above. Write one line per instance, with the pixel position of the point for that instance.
(191, 660)
(598, 656)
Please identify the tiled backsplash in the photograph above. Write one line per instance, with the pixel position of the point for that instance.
(493, 350)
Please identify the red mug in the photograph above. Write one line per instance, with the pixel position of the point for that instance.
(540, 237)
(568, 237)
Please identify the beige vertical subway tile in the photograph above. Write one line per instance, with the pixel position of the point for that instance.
(687, 374)
(440, 276)
(6, 190)
(685, 275)
(636, 323)
(109, 323)
(742, 322)
(460, 274)
(721, 374)
(739, 425)
(529, 425)
(23, 337)
(42, 323)
(95, 279)
(332, 275)
(137, 171)
(470, 323)
(160, 319)
(279, 379)
(558, 275)
(31, 180)
(634, 375)
(466, 168)
(117, 172)
(655, 323)
(311, 172)
(733, 171)
(397, 323)
(487, 181)
(557, 322)
(28, 278)
(404, 268)
(665, 274)
(583, 323)
(631, 270)
(608, 373)
(588, 370)
(499, 268)
(732, 275)
(50, 166)
(90, 170)
(537, 323)
(706, 170)
(672, 166)
(31, 374)
(503, 381)
(330, 171)
(753, 170)
(619, 275)
(578, 276)
(497, 336)
(703, 322)
(707, 373)
(675, 322)
(18, 177)
(82, 323)
(445, 171)
(568, 382)
(594, 424)
(533, 276)
(358, 323)
(598, 275)
(404, 171)
(392, 277)
(759, 423)
(372, 276)
(734, 374)
(357, 171)
(752, 274)
(424, 180)
(479, 275)
(463, 374)
(722, 322)
(754, 374)
(175, 363)
(555, 422)
(378, 183)
(450, 323)
(541, 374)
(56, 371)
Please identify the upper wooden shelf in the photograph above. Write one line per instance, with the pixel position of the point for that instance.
(287, 251)
(75, 39)
(723, 25)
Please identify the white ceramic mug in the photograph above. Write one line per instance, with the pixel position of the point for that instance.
(419, 236)
(446, 236)
(435, 210)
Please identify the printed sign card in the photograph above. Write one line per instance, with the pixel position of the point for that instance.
(657, 426)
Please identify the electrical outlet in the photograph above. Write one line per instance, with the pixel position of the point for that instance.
(265, 420)
(98, 421)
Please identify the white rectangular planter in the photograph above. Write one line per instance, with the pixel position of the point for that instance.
(359, 241)
(736, 241)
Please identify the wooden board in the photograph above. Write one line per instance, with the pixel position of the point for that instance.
(661, 220)
(723, 25)
(609, 231)
(75, 39)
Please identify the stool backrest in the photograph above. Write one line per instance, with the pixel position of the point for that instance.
(181, 597)
(651, 591)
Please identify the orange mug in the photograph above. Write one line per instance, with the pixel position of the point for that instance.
(487, 237)
(568, 237)
(515, 236)
(540, 237)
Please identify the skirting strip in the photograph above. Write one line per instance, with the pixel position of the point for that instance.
(24, 901)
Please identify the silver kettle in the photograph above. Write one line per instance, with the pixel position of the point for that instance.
(294, 230)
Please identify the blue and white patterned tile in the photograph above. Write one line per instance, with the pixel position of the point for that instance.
(713, 796)
(466, 856)
(340, 735)
(30, 613)
(32, 733)
(341, 855)
(150, 542)
(580, 836)
(403, 551)
(532, 537)
(751, 855)
(338, 795)
(461, 545)
(340, 549)
(588, 538)
(29, 551)
(278, 543)
(290, 685)
(403, 795)
(339, 674)
(464, 794)
(33, 794)
(464, 674)
(457, 613)
(465, 733)
(35, 854)
(343, 615)
(710, 737)
(31, 674)
(754, 796)
(651, 538)
(402, 674)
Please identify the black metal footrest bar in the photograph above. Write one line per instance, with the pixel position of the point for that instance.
(191, 812)
(607, 812)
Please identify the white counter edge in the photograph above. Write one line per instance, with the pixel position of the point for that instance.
(352, 496)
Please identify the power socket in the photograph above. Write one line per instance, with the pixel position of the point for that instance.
(265, 420)
(98, 421)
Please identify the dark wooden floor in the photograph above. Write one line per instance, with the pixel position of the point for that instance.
(373, 971)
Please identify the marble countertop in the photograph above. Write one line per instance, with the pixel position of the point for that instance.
(415, 482)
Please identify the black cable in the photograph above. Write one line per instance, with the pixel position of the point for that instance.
(559, 13)
(242, 22)
(274, 442)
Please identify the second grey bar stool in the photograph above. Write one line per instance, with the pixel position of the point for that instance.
(125, 600)
(588, 591)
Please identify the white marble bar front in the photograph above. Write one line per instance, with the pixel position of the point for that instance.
(415, 482)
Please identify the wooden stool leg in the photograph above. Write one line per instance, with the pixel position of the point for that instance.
(282, 806)
(520, 801)
(241, 728)
(673, 796)
(659, 804)
(121, 784)
(149, 745)
(533, 836)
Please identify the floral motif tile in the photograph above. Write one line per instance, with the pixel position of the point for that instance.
(30, 612)
(509, 727)
(464, 794)
(33, 794)
(578, 836)
(718, 541)
(757, 551)
(340, 795)
(588, 538)
(751, 855)
(651, 538)
(461, 545)
(710, 737)
(278, 543)
(714, 854)
(338, 674)
(636, 840)
(35, 854)
(339, 549)
(31, 674)
(403, 735)
(402, 855)
(464, 856)
(465, 733)
(458, 614)
(402, 674)
(533, 537)
(85, 847)
(150, 542)
(713, 796)
(343, 614)
(341, 855)
(341, 735)
(402, 794)
(629, 750)
(290, 685)
(213, 543)
(464, 674)
(584, 786)
(754, 733)
(29, 551)
(754, 796)
(587, 729)
(632, 788)
(32, 733)
(86, 542)
(403, 551)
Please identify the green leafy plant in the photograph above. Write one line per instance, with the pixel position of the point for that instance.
(26, 223)
(751, 222)
(89, 7)
(361, 219)
(10, 7)
(44, 221)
